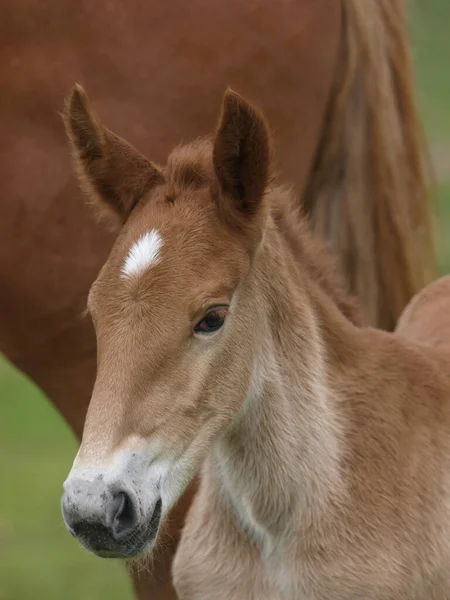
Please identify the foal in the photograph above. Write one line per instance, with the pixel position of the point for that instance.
(225, 343)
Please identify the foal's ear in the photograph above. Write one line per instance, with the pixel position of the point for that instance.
(241, 154)
(113, 173)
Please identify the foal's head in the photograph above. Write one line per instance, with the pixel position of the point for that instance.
(174, 313)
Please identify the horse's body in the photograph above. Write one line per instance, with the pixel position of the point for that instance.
(324, 446)
(316, 68)
(275, 522)
(384, 533)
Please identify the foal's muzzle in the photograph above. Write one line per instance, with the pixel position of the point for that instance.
(107, 521)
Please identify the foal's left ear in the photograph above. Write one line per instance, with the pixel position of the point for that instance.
(241, 155)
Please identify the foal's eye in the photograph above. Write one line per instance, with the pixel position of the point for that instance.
(212, 321)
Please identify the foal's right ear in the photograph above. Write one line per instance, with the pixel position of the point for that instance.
(113, 173)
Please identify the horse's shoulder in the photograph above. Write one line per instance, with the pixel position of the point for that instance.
(426, 319)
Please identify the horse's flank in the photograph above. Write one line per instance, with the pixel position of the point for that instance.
(324, 445)
(147, 62)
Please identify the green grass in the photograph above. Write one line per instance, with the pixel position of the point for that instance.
(38, 558)
(442, 227)
(430, 27)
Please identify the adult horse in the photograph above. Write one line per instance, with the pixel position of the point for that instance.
(332, 77)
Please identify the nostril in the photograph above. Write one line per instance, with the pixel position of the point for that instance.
(123, 515)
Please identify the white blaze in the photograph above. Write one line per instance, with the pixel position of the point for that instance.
(143, 253)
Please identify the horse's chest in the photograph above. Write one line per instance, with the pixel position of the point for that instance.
(230, 555)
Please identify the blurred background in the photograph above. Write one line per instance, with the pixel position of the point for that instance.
(38, 559)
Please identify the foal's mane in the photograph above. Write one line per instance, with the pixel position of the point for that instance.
(312, 252)
(190, 166)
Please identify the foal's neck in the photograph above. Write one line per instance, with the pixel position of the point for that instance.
(280, 462)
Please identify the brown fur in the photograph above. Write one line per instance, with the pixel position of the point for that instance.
(167, 75)
(324, 446)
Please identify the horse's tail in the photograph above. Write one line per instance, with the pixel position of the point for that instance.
(367, 192)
